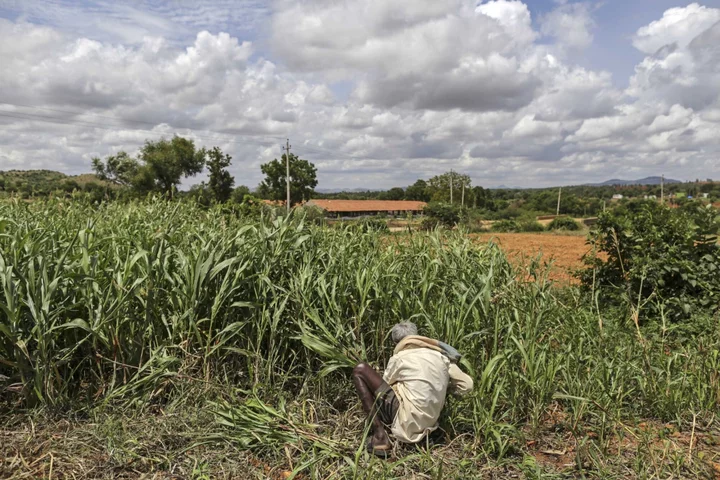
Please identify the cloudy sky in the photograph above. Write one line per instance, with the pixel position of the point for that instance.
(376, 93)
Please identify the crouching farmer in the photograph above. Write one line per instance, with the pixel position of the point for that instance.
(409, 397)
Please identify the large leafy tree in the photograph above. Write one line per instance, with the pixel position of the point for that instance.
(439, 187)
(119, 169)
(418, 191)
(160, 166)
(303, 179)
(482, 198)
(395, 193)
(167, 162)
(238, 194)
(221, 182)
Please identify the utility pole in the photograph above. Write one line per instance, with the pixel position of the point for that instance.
(462, 198)
(451, 186)
(287, 173)
(662, 188)
(558, 207)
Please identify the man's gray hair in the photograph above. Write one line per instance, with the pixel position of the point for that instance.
(402, 330)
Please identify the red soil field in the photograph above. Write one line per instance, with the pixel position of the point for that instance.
(563, 253)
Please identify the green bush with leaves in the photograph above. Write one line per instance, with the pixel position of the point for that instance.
(369, 224)
(531, 226)
(442, 214)
(505, 226)
(663, 260)
(563, 223)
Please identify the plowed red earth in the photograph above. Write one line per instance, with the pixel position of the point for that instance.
(563, 253)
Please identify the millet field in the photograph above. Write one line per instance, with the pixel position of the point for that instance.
(160, 339)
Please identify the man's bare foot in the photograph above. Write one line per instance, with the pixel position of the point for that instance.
(379, 444)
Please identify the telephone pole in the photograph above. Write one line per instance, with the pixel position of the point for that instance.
(462, 198)
(451, 186)
(558, 207)
(287, 174)
(662, 188)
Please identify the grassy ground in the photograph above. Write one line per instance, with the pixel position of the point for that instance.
(183, 443)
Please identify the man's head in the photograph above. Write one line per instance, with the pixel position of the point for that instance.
(402, 330)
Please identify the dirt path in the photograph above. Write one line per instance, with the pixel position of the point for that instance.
(565, 251)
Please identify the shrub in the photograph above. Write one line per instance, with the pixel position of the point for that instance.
(429, 223)
(315, 215)
(531, 226)
(366, 225)
(374, 225)
(443, 214)
(563, 223)
(504, 226)
(665, 259)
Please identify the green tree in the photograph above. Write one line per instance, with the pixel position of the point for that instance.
(119, 169)
(481, 197)
(395, 193)
(221, 182)
(160, 166)
(303, 179)
(439, 187)
(201, 194)
(443, 214)
(166, 162)
(238, 194)
(418, 191)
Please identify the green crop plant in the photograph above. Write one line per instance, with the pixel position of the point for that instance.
(126, 304)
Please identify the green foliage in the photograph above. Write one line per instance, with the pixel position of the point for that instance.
(45, 183)
(366, 225)
(314, 215)
(201, 194)
(303, 179)
(160, 167)
(439, 187)
(165, 163)
(220, 182)
(251, 206)
(418, 191)
(395, 193)
(659, 259)
(119, 169)
(482, 198)
(238, 194)
(128, 304)
(563, 223)
(505, 226)
(526, 225)
(442, 214)
(531, 226)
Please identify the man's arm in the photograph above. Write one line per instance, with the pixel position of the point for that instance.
(460, 382)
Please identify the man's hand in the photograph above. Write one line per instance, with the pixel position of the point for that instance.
(460, 382)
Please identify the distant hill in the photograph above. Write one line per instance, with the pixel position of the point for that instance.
(44, 181)
(641, 181)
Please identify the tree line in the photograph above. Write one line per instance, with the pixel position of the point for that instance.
(162, 165)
